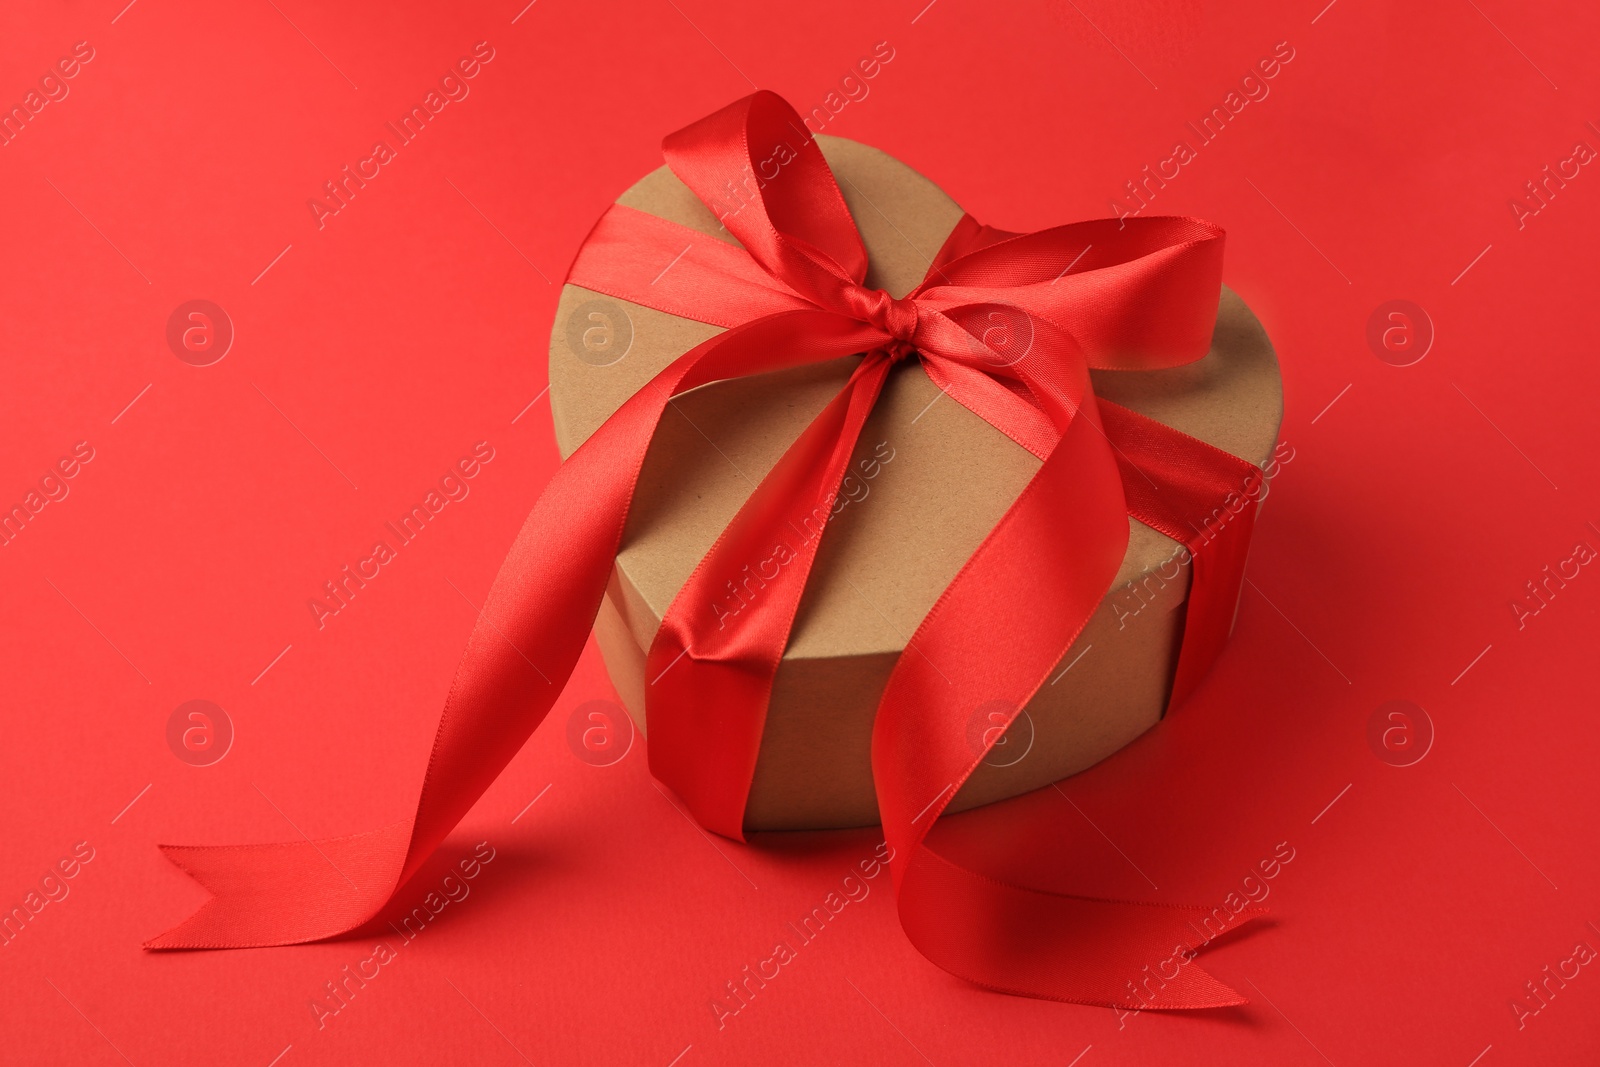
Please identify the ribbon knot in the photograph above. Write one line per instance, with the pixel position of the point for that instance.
(899, 321)
(897, 318)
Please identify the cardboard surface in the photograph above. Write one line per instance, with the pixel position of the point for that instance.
(928, 482)
(1380, 165)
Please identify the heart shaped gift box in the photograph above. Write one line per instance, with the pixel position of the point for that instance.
(832, 501)
(928, 482)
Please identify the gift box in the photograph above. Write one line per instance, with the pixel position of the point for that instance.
(928, 481)
(878, 512)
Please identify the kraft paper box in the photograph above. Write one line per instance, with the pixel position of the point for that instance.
(929, 481)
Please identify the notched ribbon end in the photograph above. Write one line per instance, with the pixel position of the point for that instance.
(1191, 987)
(286, 893)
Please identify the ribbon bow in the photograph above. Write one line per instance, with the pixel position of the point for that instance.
(1008, 325)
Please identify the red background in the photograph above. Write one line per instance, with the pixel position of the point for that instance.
(376, 350)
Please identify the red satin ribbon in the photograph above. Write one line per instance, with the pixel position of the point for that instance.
(1138, 294)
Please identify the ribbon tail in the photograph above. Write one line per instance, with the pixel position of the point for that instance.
(711, 684)
(1207, 503)
(999, 630)
(285, 894)
(1122, 954)
(524, 645)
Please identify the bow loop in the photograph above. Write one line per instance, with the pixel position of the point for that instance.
(754, 164)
